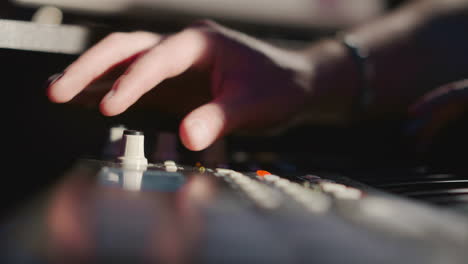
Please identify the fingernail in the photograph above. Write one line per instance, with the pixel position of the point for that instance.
(109, 95)
(112, 91)
(54, 78)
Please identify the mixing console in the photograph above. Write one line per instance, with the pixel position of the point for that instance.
(126, 210)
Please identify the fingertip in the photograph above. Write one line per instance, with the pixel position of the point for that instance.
(54, 78)
(116, 101)
(195, 135)
(54, 92)
(57, 97)
(203, 126)
(105, 110)
(109, 109)
(52, 96)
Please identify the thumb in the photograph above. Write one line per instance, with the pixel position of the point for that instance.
(205, 124)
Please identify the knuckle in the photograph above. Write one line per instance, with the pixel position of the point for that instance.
(196, 33)
(144, 34)
(206, 36)
(203, 23)
(205, 26)
(116, 36)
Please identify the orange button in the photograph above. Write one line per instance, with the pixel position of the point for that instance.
(262, 173)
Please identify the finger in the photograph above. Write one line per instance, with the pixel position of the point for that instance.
(440, 96)
(439, 119)
(435, 111)
(169, 58)
(110, 51)
(206, 124)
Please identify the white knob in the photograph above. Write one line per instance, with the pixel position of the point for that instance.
(133, 149)
(48, 15)
(132, 180)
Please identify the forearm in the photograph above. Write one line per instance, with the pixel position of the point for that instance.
(412, 50)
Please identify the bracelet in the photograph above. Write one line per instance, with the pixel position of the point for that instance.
(361, 58)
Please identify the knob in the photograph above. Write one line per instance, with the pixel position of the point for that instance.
(133, 150)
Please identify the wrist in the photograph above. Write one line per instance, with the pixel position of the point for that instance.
(335, 83)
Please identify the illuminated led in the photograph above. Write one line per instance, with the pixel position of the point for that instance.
(263, 173)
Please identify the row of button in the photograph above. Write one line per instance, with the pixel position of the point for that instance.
(340, 191)
(313, 201)
(259, 193)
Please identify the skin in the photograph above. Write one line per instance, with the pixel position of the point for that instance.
(239, 83)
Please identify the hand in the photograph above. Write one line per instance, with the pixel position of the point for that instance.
(249, 83)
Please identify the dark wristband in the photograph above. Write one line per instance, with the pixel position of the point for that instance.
(361, 58)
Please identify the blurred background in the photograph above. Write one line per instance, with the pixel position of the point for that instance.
(299, 18)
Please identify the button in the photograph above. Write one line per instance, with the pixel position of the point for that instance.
(281, 183)
(235, 175)
(48, 15)
(171, 168)
(224, 172)
(263, 173)
(349, 194)
(271, 178)
(332, 187)
(169, 163)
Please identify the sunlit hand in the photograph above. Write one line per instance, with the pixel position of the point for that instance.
(251, 84)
